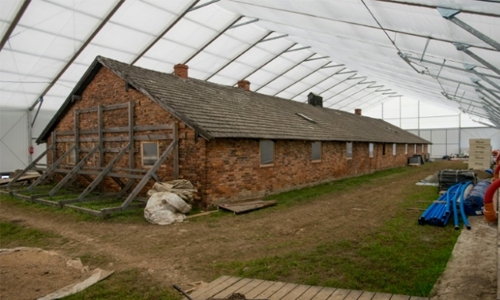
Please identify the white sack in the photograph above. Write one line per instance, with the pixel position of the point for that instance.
(165, 208)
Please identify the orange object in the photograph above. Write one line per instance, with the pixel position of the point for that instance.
(496, 173)
(490, 213)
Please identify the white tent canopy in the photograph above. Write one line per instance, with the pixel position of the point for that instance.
(354, 53)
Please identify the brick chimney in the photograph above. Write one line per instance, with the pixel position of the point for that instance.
(315, 100)
(181, 70)
(357, 111)
(244, 84)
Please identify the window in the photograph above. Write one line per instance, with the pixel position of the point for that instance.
(71, 158)
(370, 150)
(406, 148)
(316, 151)
(266, 152)
(348, 151)
(394, 149)
(415, 148)
(149, 153)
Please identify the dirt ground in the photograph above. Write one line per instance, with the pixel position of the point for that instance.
(185, 252)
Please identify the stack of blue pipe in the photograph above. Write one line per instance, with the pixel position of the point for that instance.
(439, 212)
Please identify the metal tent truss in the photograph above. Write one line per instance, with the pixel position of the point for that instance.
(94, 175)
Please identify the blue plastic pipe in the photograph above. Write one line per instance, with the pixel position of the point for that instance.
(462, 200)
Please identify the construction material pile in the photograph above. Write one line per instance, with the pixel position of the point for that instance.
(447, 178)
(440, 211)
(169, 202)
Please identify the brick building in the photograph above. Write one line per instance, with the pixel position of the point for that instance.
(119, 127)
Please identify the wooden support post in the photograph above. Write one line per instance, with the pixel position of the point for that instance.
(143, 181)
(125, 188)
(99, 135)
(131, 163)
(100, 121)
(77, 135)
(50, 170)
(73, 172)
(54, 148)
(176, 150)
(104, 172)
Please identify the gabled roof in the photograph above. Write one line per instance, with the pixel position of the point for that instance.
(218, 111)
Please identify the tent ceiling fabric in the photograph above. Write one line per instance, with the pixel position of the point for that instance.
(354, 53)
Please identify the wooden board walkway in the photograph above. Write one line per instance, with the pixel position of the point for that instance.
(225, 286)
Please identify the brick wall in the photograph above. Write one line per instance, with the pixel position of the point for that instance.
(234, 171)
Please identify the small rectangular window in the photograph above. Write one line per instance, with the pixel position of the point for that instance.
(149, 153)
(266, 152)
(370, 150)
(423, 148)
(406, 148)
(415, 148)
(348, 151)
(316, 151)
(394, 149)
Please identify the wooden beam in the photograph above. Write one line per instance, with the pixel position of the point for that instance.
(144, 179)
(104, 172)
(72, 172)
(176, 150)
(51, 169)
(29, 167)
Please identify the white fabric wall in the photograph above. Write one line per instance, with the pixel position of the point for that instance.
(453, 140)
(14, 138)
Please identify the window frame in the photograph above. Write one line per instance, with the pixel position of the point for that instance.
(319, 151)
(142, 153)
(406, 148)
(394, 149)
(371, 150)
(261, 144)
(348, 150)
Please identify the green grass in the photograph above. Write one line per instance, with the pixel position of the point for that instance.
(297, 196)
(13, 234)
(129, 284)
(402, 257)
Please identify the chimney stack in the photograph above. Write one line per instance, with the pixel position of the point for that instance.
(315, 100)
(244, 84)
(357, 111)
(181, 70)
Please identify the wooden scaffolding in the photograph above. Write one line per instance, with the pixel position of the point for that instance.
(95, 174)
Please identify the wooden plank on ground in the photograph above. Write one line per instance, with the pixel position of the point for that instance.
(231, 289)
(324, 293)
(366, 296)
(310, 293)
(382, 296)
(339, 294)
(249, 287)
(282, 291)
(271, 290)
(296, 292)
(23, 178)
(400, 297)
(353, 295)
(212, 285)
(258, 290)
(242, 207)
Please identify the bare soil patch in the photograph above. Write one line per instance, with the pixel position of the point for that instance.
(186, 252)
